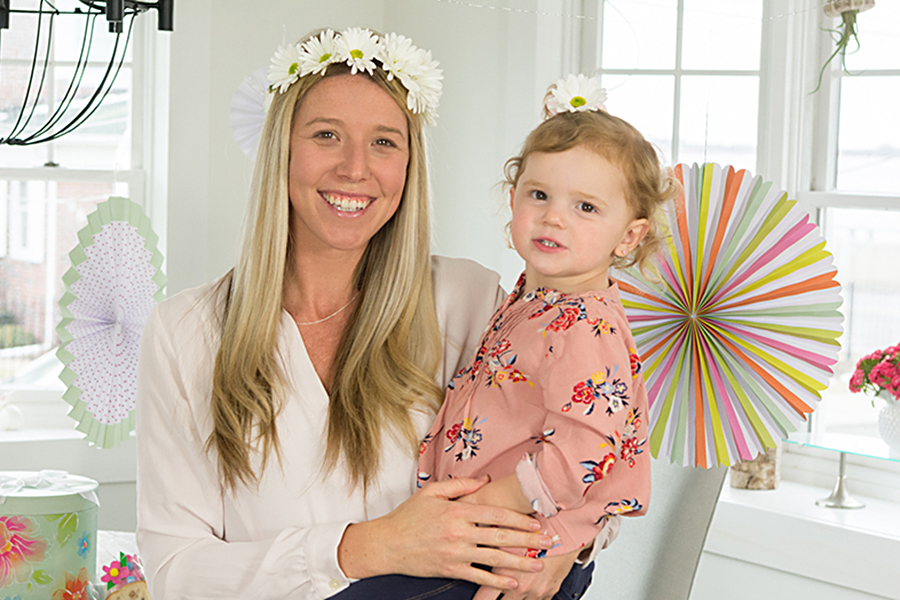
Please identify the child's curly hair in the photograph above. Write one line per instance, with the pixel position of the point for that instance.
(649, 187)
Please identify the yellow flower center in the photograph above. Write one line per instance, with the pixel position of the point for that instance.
(114, 572)
(293, 68)
(356, 54)
(6, 547)
(325, 57)
(577, 101)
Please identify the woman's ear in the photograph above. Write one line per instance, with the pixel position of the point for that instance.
(636, 232)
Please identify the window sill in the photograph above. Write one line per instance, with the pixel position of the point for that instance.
(66, 450)
(784, 530)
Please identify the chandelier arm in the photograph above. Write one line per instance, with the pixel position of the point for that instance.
(90, 108)
(75, 82)
(37, 46)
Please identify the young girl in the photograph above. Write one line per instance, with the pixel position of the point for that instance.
(553, 406)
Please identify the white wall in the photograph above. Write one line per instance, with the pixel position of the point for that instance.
(496, 67)
(215, 45)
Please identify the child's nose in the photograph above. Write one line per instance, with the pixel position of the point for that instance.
(553, 216)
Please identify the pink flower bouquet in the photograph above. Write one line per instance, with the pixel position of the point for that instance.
(878, 372)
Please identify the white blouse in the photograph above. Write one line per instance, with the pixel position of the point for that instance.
(279, 541)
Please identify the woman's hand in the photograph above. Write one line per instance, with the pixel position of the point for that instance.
(541, 585)
(431, 536)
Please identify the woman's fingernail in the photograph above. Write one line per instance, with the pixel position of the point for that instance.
(537, 565)
(512, 584)
(535, 526)
(546, 542)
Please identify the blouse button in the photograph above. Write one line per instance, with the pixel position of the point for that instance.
(335, 584)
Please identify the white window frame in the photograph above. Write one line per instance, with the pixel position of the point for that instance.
(146, 178)
(797, 149)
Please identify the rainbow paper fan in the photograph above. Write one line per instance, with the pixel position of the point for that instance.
(739, 336)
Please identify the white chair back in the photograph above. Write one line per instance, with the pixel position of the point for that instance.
(655, 556)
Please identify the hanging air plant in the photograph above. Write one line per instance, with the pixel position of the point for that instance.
(846, 31)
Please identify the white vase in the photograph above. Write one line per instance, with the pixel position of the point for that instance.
(889, 422)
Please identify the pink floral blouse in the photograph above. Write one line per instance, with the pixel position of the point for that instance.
(554, 393)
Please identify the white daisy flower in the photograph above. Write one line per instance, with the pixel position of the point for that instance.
(285, 67)
(359, 48)
(397, 56)
(319, 52)
(576, 93)
(424, 90)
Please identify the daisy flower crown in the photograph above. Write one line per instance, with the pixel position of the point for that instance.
(362, 50)
(575, 93)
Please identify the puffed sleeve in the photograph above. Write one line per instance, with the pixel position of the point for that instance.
(181, 520)
(465, 296)
(592, 464)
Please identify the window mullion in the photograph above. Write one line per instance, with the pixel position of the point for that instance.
(826, 107)
(676, 105)
(50, 263)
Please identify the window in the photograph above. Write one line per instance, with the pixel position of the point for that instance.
(855, 189)
(674, 70)
(731, 82)
(47, 190)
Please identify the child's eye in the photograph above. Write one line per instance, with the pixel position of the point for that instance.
(586, 207)
(538, 195)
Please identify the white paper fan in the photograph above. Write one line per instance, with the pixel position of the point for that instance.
(248, 111)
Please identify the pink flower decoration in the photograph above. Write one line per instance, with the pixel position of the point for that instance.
(879, 371)
(19, 547)
(115, 573)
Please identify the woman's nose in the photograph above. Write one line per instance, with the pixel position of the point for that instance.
(354, 163)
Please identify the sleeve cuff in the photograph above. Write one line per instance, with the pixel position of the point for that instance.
(533, 487)
(322, 560)
(607, 536)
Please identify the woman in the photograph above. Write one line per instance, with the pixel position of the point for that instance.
(279, 408)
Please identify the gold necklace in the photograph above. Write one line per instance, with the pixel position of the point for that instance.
(332, 314)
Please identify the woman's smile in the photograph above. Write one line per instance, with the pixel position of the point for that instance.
(347, 204)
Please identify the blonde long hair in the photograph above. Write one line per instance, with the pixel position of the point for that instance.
(389, 353)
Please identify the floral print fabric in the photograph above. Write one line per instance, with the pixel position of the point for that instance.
(554, 393)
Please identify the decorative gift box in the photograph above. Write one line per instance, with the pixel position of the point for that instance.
(48, 535)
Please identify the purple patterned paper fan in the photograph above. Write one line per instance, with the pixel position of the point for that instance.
(114, 281)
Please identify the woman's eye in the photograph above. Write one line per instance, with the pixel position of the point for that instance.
(386, 143)
(587, 207)
(538, 195)
(325, 135)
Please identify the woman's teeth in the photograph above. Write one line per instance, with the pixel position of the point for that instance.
(345, 204)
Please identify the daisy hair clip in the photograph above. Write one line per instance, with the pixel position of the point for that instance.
(363, 51)
(575, 93)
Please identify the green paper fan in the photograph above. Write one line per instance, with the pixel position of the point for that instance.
(113, 283)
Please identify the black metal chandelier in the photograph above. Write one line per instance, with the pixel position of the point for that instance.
(67, 115)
